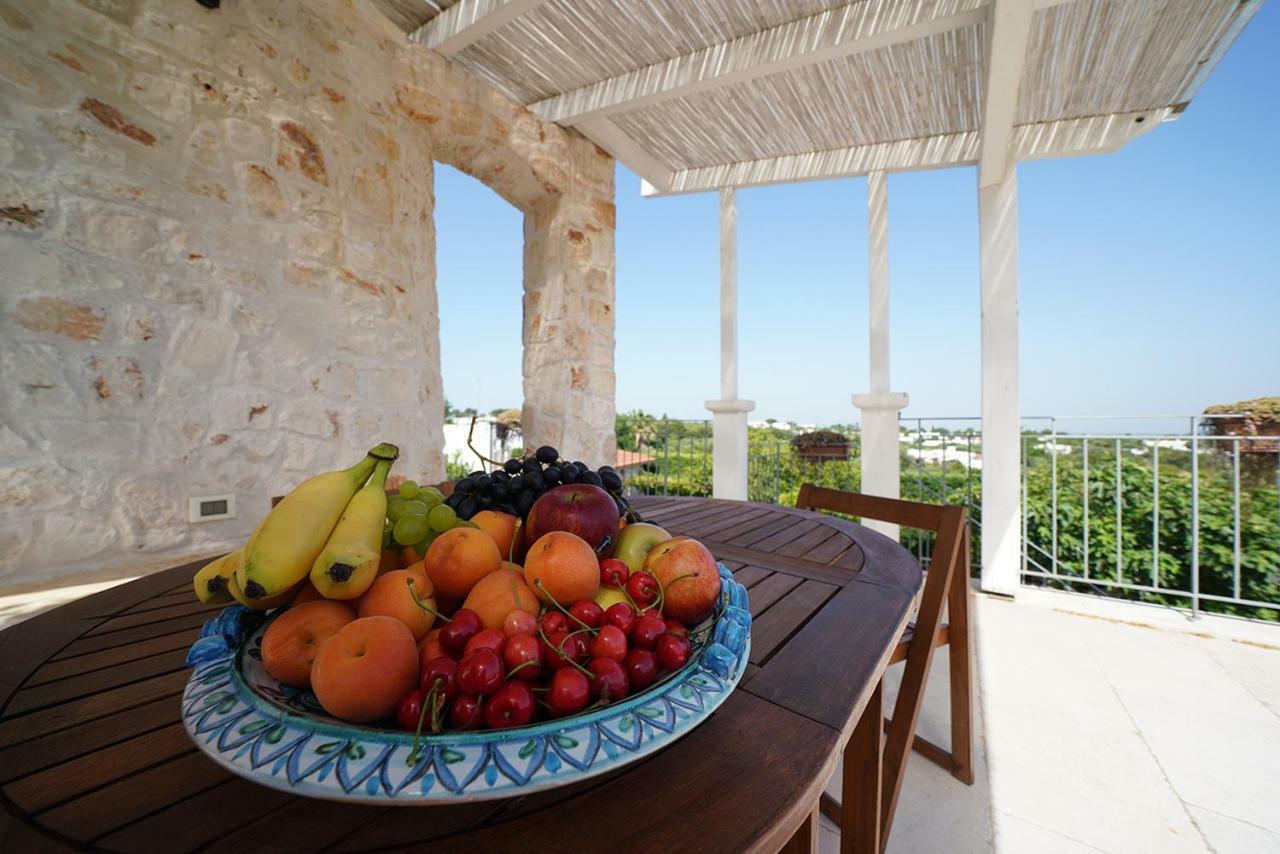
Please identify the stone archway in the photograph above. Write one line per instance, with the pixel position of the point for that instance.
(563, 184)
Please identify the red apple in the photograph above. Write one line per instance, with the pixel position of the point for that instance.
(579, 508)
(689, 578)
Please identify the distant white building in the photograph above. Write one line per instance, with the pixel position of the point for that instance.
(485, 438)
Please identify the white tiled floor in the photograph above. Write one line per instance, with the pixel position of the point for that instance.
(1100, 735)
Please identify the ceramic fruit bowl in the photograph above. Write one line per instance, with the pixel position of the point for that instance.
(279, 736)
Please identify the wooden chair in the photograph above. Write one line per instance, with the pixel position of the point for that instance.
(947, 582)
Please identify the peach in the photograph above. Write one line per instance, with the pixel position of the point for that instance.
(389, 596)
(429, 647)
(459, 558)
(500, 526)
(361, 673)
(498, 594)
(562, 566)
(291, 642)
(689, 578)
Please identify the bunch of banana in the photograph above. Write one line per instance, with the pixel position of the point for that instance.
(212, 579)
(350, 560)
(282, 551)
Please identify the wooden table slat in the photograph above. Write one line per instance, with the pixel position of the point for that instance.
(52, 693)
(769, 591)
(114, 640)
(228, 805)
(42, 790)
(103, 810)
(749, 575)
(775, 625)
(124, 697)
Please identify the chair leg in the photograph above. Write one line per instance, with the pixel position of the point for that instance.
(961, 686)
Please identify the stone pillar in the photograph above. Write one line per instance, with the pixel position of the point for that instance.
(879, 408)
(729, 428)
(1001, 432)
(569, 329)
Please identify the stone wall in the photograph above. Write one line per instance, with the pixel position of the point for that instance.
(217, 265)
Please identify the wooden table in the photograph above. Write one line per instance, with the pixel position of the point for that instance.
(92, 752)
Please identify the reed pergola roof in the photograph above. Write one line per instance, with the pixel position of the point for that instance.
(724, 93)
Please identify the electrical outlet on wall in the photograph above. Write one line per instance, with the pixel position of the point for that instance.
(211, 508)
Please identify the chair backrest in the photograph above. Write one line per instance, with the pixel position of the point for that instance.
(950, 558)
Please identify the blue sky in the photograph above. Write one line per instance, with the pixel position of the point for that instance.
(1150, 278)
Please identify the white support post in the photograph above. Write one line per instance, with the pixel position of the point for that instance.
(729, 428)
(879, 408)
(1001, 431)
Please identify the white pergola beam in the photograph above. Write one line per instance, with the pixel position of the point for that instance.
(467, 21)
(1007, 54)
(1065, 138)
(830, 35)
(606, 134)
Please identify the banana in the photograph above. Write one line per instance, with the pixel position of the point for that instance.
(211, 581)
(263, 604)
(349, 562)
(287, 543)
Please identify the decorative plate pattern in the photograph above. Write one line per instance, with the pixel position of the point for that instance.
(278, 736)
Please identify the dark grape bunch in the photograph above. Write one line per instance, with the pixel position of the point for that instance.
(514, 487)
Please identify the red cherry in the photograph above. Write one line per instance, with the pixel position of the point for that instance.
(519, 623)
(441, 673)
(610, 642)
(485, 639)
(622, 615)
(570, 691)
(587, 612)
(480, 672)
(456, 632)
(410, 710)
(523, 650)
(608, 679)
(647, 630)
(642, 668)
(466, 711)
(553, 621)
(675, 627)
(643, 588)
(511, 705)
(673, 651)
(613, 572)
(559, 647)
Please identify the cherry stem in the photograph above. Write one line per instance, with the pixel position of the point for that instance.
(537, 582)
(521, 666)
(422, 714)
(511, 552)
(547, 640)
(423, 605)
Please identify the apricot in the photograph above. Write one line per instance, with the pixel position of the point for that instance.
(361, 673)
(291, 642)
(459, 558)
(500, 526)
(389, 596)
(498, 594)
(409, 555)
(429, 646)
(563, 566)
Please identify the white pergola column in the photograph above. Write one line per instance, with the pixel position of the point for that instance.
(729, 428)
(879, 407)
(1001, 431)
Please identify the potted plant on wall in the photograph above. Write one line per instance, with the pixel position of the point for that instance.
(821, 445)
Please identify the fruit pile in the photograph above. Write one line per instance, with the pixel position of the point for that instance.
(495, 620)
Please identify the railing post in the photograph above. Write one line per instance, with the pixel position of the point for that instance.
(1084, 466)
(1155, 514)
(1195, 526)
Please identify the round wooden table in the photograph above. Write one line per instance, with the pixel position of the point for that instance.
(92, 752)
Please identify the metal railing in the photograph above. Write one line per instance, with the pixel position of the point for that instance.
(1180, 516)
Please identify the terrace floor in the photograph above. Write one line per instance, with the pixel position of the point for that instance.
(1102, 727)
